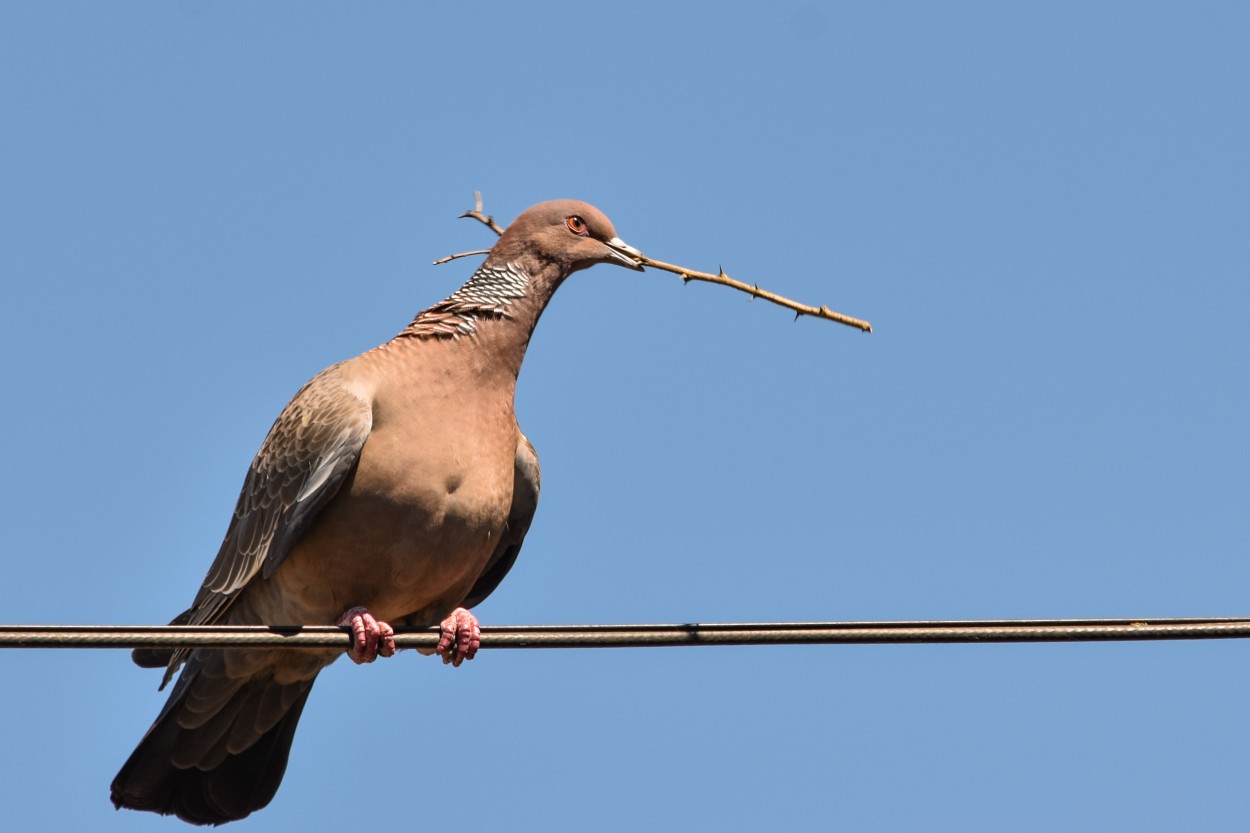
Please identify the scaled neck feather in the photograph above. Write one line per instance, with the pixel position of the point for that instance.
(488, 294)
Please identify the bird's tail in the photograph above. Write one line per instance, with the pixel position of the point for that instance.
(218, 750)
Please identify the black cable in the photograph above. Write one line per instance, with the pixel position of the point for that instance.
(637, 636)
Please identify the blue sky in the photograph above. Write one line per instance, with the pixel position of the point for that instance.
(1043, 210)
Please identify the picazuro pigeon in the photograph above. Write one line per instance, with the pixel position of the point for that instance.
(396, 487)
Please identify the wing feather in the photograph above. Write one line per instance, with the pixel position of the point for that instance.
(304, 460)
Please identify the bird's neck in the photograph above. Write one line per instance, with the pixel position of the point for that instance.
(495, 311)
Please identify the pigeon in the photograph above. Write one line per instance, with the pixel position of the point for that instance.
(395, 488)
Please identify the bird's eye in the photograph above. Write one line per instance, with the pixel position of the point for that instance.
(577, 225)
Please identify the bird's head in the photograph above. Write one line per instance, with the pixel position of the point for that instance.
(568, 234)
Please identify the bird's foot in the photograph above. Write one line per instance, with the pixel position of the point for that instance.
(370, 638)
(460, 639)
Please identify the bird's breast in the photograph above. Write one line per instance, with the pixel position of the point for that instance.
(415, 524)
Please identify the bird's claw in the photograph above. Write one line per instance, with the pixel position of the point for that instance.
(370, 637)
(460, 637)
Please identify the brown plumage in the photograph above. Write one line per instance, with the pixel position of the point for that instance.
(397, 481)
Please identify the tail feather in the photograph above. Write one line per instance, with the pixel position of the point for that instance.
(220, 769)
(159, 657)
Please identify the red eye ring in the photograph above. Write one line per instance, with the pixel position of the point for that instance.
(578, 226)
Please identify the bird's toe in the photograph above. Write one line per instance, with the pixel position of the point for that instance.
(460, 637)
(371, 638)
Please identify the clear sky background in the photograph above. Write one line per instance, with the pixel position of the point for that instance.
(1043, 209)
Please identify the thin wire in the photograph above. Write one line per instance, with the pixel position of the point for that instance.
(638, 636)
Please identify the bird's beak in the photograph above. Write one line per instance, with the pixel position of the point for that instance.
(623, 254)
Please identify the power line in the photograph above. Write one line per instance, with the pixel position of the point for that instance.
(638, 636)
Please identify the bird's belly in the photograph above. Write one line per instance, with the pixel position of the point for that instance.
(406, 546)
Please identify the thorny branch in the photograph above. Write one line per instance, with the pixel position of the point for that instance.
(477, 214)
(450, 258)
(688, 275)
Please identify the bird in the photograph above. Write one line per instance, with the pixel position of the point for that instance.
(396, 488)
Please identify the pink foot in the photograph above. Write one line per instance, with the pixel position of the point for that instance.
(371, 638)
(461, 637)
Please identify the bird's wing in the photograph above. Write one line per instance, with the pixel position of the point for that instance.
(306, 457)
(526, 483)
